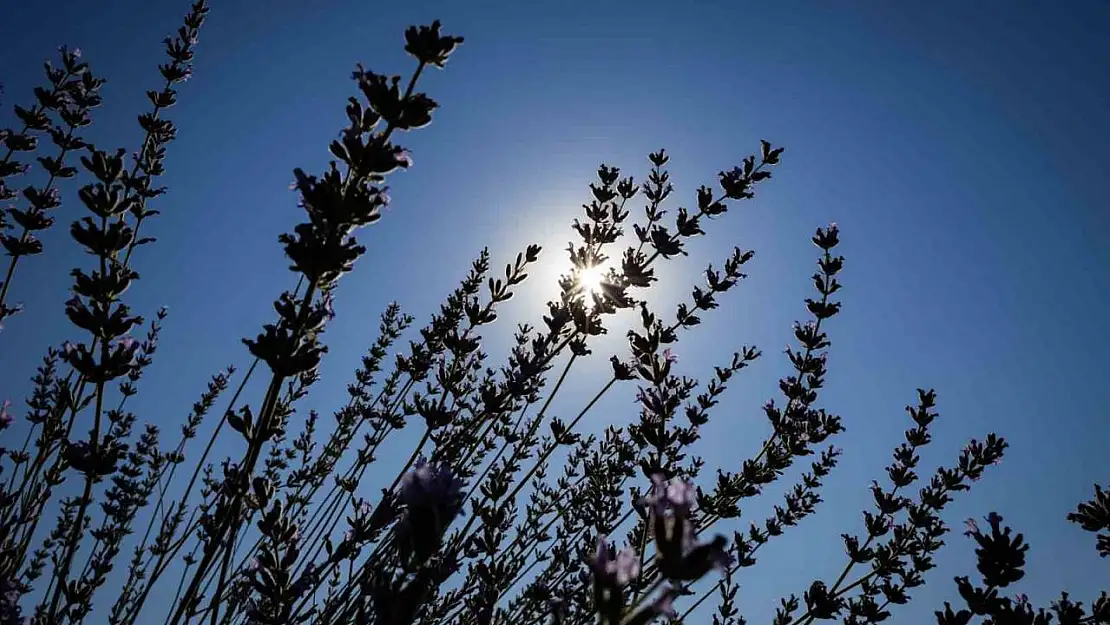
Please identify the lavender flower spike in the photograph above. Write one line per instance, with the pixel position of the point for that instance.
(10, 612)
(680, 556)
(677, 495)
(429, 485)
(611, 566)
(432, 496)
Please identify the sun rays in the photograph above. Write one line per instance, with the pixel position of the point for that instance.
(590, 280)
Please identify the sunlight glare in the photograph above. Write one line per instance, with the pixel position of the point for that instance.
(590, 280)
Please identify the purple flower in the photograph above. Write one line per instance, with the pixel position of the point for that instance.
(429, 485)
(677, 495)
(972, 527)
(681, 557)
(669, 356)
(432, 496)
(611, 566)
(404, 158)
(10, 612)
(5, 416)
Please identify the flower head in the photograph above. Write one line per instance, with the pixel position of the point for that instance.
(428, 45)
(10, 593)
(677, 495)
(433, 497)
(5, 416)
(611, 566)
(681, 557)
(430, 485)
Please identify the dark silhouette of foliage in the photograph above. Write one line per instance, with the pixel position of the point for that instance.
(503, 512)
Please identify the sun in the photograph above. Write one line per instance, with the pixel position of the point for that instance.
(590, 280)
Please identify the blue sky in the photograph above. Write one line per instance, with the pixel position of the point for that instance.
(961, 147)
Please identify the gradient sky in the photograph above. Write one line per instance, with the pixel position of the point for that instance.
(962, 148)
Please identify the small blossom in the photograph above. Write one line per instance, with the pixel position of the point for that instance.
(972, 527)
(433, 497)
(625, 567)
(5, 416)
(404, 158)
(429, 485)
(677, 494)
(669, 356)
(611, 566)
(735, 184)
(10, 612)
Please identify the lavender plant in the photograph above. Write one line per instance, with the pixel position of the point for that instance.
(503, 512)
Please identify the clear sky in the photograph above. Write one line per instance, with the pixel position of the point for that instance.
(961, 146)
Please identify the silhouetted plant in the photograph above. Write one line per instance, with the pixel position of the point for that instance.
(1001, 563)
(503, 512)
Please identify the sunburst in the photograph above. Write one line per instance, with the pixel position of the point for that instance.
(590, 280)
